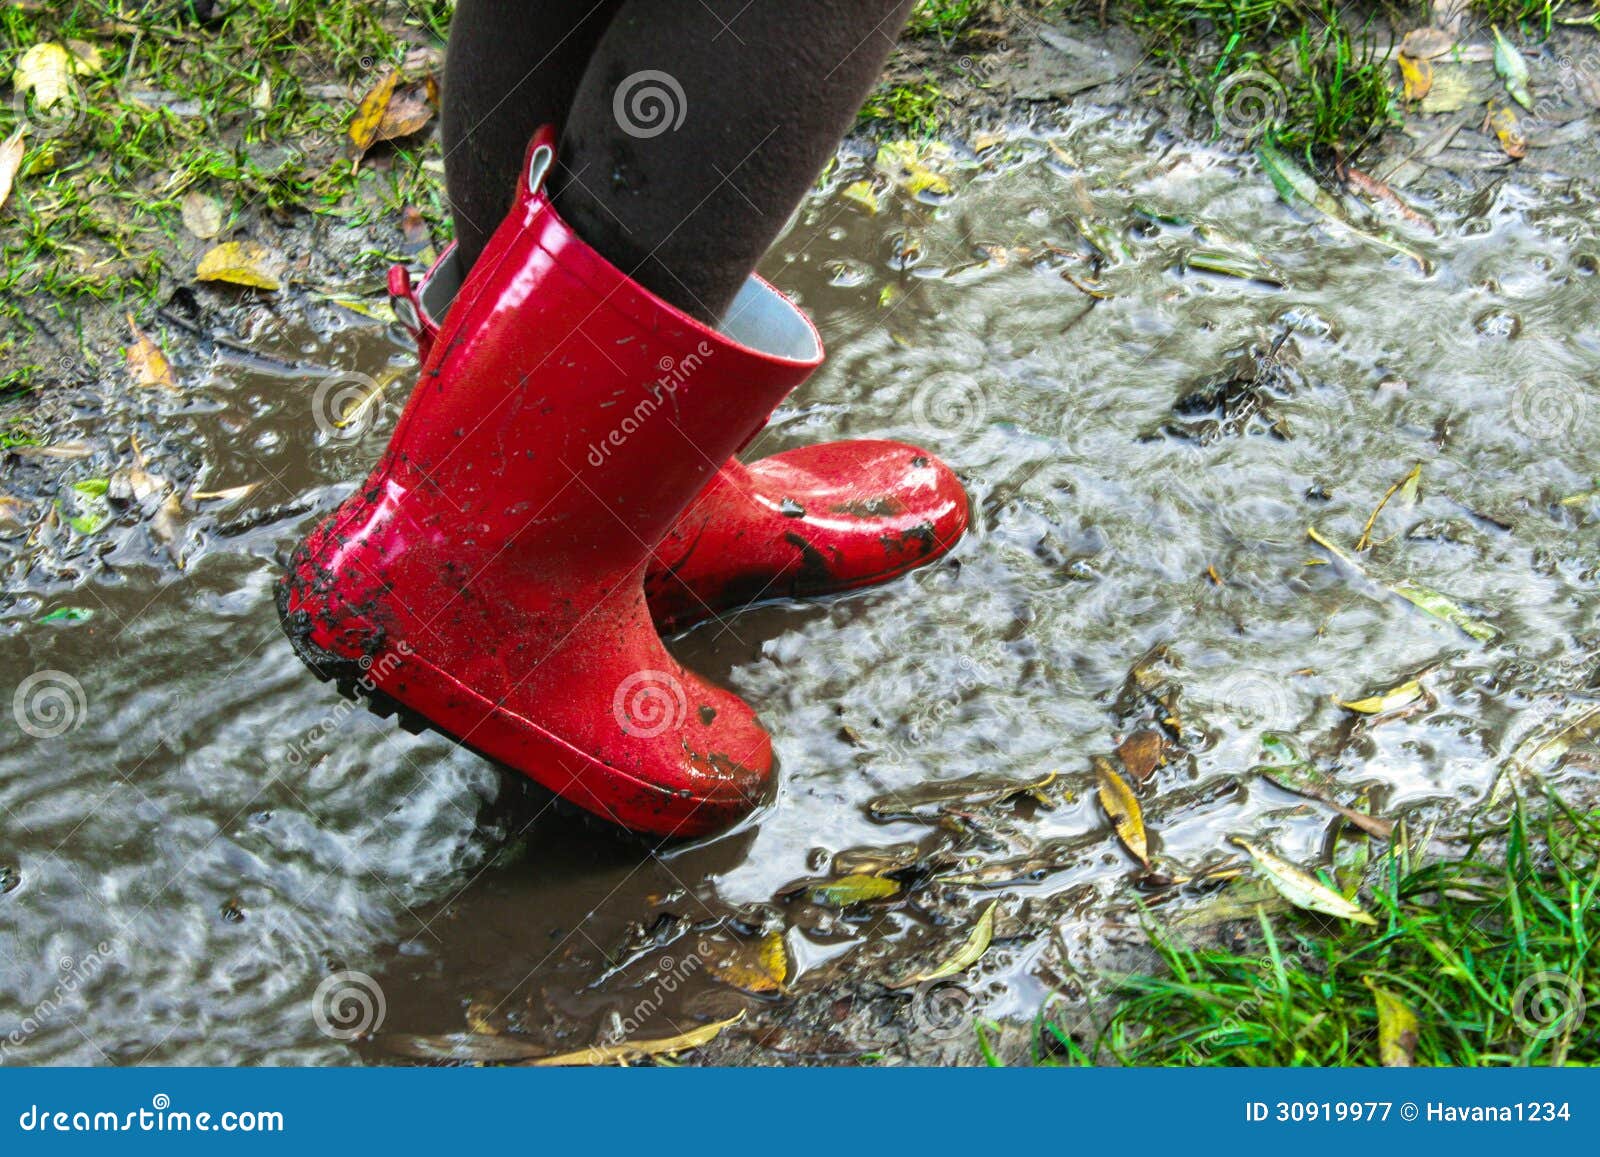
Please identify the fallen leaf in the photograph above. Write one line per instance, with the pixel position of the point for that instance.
(231, 494)
(861, 194)
(847, 890)
(1452, 90)
(1378, 191)
(1294, 185)
(1233, 265)
(1141, 753)
(775, 957)
(639, 1050)
(239, 263)
(261, 97)
(1397, 1028)
(927, 801)
(910, 163)
(413, 227)
(69, 615)
(11, 152)
(1407, 692)
(1302, 889)
(1426, 43)
(46, 71)
(86, 58)
(1510, 66)
(406, 112)
(148, 364)
(1406, 486)
(364, 126)
(1122, 806)
(1417, 595)
(1418, 76)
(1507, 129)
(971, 950)
(202, 215)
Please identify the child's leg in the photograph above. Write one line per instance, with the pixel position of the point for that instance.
(512, 65)
(764, 88)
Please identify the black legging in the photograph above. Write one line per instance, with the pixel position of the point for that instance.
(764, 89)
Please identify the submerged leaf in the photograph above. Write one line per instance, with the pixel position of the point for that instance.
(862, 195)
(1507, 130)
(1295, 185)
(1418, 76)
(1396, 697)
(847, 890)
(639, 1050)
(1417, 595)
(1122, 806)
(147, 363)
(971, 950)
(1302, 889)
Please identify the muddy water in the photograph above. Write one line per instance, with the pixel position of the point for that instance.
(196, 834)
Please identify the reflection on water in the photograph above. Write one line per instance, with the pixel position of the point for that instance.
(196, 834)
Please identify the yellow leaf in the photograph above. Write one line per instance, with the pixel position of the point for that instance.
(1397, 1028)
(148, 364)
(849, 890)
(976, 944)
(369, 113)
(1408, 692)
(638, 1050)
(861, 193)
(11, 152)
(46, 71)
(908, 163)
(1418, 76)
(1507, 130)
(86, 58)
(240, 263)
(775, 957)
(1119, 802)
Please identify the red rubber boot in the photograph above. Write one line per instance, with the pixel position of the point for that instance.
(488, 575)
(811, 521)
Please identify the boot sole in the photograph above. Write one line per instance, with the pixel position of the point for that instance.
(353, 682)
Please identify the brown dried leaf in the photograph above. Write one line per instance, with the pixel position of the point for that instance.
(1426, 43)
(1141, 753)
(408, 111)
(202, 215)
(146, 361)
(639, 1050)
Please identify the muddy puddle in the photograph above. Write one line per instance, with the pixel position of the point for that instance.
(195, 834)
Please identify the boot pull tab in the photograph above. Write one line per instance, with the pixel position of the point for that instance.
(403, 300)
(541, 155)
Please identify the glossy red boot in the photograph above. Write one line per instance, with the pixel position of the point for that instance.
(811, 521)
(488, 575)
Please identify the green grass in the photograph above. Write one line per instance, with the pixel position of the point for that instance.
(916, 108)
(943, 18)
(1494, 952)
(238, 109)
